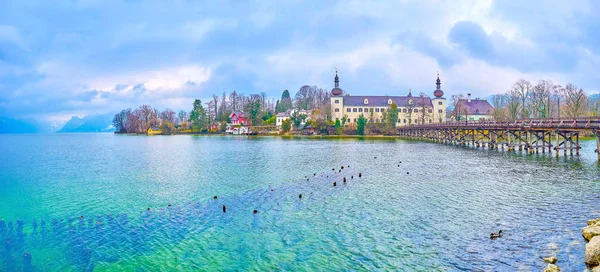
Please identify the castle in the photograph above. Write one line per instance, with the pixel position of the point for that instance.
(411, 110)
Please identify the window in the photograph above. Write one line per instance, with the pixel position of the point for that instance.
(366, 101)
(430, 121)
(366, 109)
(404, 110)
(337, 110)
(398, 120)
(354, 110)
(389, 101)
(337, 101)
(376, 109)
(416, 120)
(359, 109)
(440, 103)
(430, 110)
(348, 110)
(440, 111)
(382, 109)
(404, 121)
(354, 120)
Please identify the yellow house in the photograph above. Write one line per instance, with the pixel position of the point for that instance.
(154, 131)
(411, 110)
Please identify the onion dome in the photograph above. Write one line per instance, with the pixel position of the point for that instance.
(438, 90)
(336, 90)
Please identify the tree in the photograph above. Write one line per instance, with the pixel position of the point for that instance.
(458, 109)
(168, 128)
(344, 120)
(522, 88)
(576, 101)
(286, 125)
(182, 116)
(424, 110)
(361, 123)
(285, 103)
(120, 120)
(392, 114)
(297, 119)
(540, 98)
(594, 105)
(198, 116)
(513, 105)
(499, 102)
(271, 120)
(168, 115)
(338, 127)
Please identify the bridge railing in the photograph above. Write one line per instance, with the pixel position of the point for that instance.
(543, 123)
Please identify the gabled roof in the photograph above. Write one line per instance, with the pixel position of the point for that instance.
(476, 106)
(382, 101)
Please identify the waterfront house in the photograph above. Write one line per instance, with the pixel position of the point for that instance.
(154, 131)
(282, 116)
(411, 109)
(309, 129)
(240, 118)
(474, 109)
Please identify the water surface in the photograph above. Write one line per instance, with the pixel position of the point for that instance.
(418, 205)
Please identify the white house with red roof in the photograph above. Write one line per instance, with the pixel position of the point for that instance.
(240, 123)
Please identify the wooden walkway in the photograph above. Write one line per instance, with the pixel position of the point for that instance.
(532, 135)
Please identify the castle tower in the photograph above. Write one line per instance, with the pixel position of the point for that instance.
(337, 101)
(439, 102)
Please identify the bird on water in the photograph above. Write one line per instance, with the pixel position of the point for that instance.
(495, 235)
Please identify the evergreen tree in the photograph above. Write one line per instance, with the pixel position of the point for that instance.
(392, 115)
(338, 127)
(361, 123)
(198, 116)
(286, 101)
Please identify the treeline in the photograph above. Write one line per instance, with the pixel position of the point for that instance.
(545, 99)
(214, 115)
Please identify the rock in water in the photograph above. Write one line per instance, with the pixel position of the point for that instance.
(593, 221)
(592, 251)
(551, 260)
(551, 268)
(590, 231)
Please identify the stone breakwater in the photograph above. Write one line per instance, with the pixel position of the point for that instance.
(591, 234)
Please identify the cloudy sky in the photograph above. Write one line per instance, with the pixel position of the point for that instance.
(64, 58)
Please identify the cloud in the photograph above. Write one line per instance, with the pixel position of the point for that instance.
(87, 57)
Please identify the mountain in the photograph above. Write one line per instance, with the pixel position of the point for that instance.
(90, 123)
(8, 125)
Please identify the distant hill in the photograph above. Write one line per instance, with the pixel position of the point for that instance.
(90, 123)
(8, 126)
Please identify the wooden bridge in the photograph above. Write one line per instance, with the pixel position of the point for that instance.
(532, 135)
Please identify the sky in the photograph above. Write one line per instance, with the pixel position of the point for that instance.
(81, 57)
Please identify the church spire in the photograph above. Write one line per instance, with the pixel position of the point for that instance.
(409, 92)
(336, 79)
(438, 83)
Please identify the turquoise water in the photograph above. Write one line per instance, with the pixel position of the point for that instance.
(433, 211)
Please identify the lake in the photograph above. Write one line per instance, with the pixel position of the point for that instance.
(79, 202)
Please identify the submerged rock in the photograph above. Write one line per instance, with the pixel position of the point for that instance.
(551, 260)
(590, 231)
(551, 268)
(592, 251)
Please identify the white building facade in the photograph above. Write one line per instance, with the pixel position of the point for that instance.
(411, 110)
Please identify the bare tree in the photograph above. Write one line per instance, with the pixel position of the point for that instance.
(499, 102)
(424, 110)
(576, 101)
(523, 88)
(558, 93)
(540, 97)
(594, 105)
(513, 105)
(459, 110)
(168, 115)
(233, 99)
(182, 116)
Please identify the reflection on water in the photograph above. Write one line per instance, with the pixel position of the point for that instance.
(79, 202)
